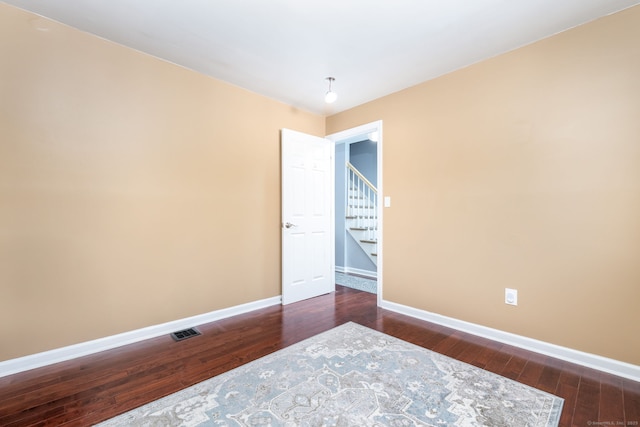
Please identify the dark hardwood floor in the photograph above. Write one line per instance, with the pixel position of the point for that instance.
(87, 390)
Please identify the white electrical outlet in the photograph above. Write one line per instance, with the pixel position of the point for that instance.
(510, 296)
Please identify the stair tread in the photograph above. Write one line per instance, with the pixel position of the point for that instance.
(368, 241)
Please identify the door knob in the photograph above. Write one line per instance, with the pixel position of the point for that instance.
(289, 225)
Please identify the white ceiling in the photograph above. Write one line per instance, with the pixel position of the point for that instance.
(284, 49)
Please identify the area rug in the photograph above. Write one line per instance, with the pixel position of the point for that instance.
(357, 282)
(352, 376)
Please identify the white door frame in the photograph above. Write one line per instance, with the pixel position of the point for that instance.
(366, 129)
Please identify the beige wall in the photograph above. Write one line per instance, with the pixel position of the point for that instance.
(132, 191)
(521, 171)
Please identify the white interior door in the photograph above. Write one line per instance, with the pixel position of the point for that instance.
(307, 216)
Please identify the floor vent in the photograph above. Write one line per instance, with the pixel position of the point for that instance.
(183, 335)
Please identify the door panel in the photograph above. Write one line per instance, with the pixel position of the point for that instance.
(307, 216)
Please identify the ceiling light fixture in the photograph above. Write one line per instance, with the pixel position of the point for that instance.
(330, 96)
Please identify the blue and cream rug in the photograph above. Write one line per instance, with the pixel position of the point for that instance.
(352, 376)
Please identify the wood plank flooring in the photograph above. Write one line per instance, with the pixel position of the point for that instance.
(87, 390)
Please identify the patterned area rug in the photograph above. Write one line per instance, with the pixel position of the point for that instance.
(352, 376)
(357, 282)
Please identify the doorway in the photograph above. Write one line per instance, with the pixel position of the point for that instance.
(362, 147)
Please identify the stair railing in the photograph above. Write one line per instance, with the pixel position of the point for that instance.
(364, 206)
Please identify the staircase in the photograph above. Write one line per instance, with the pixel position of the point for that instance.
(362, 212)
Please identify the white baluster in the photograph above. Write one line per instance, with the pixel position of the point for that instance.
(360, 203)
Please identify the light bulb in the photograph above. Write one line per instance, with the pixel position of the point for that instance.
(330, 97)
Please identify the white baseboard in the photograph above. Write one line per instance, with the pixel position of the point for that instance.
(50, 357)
(358, 271)
(589, 360)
